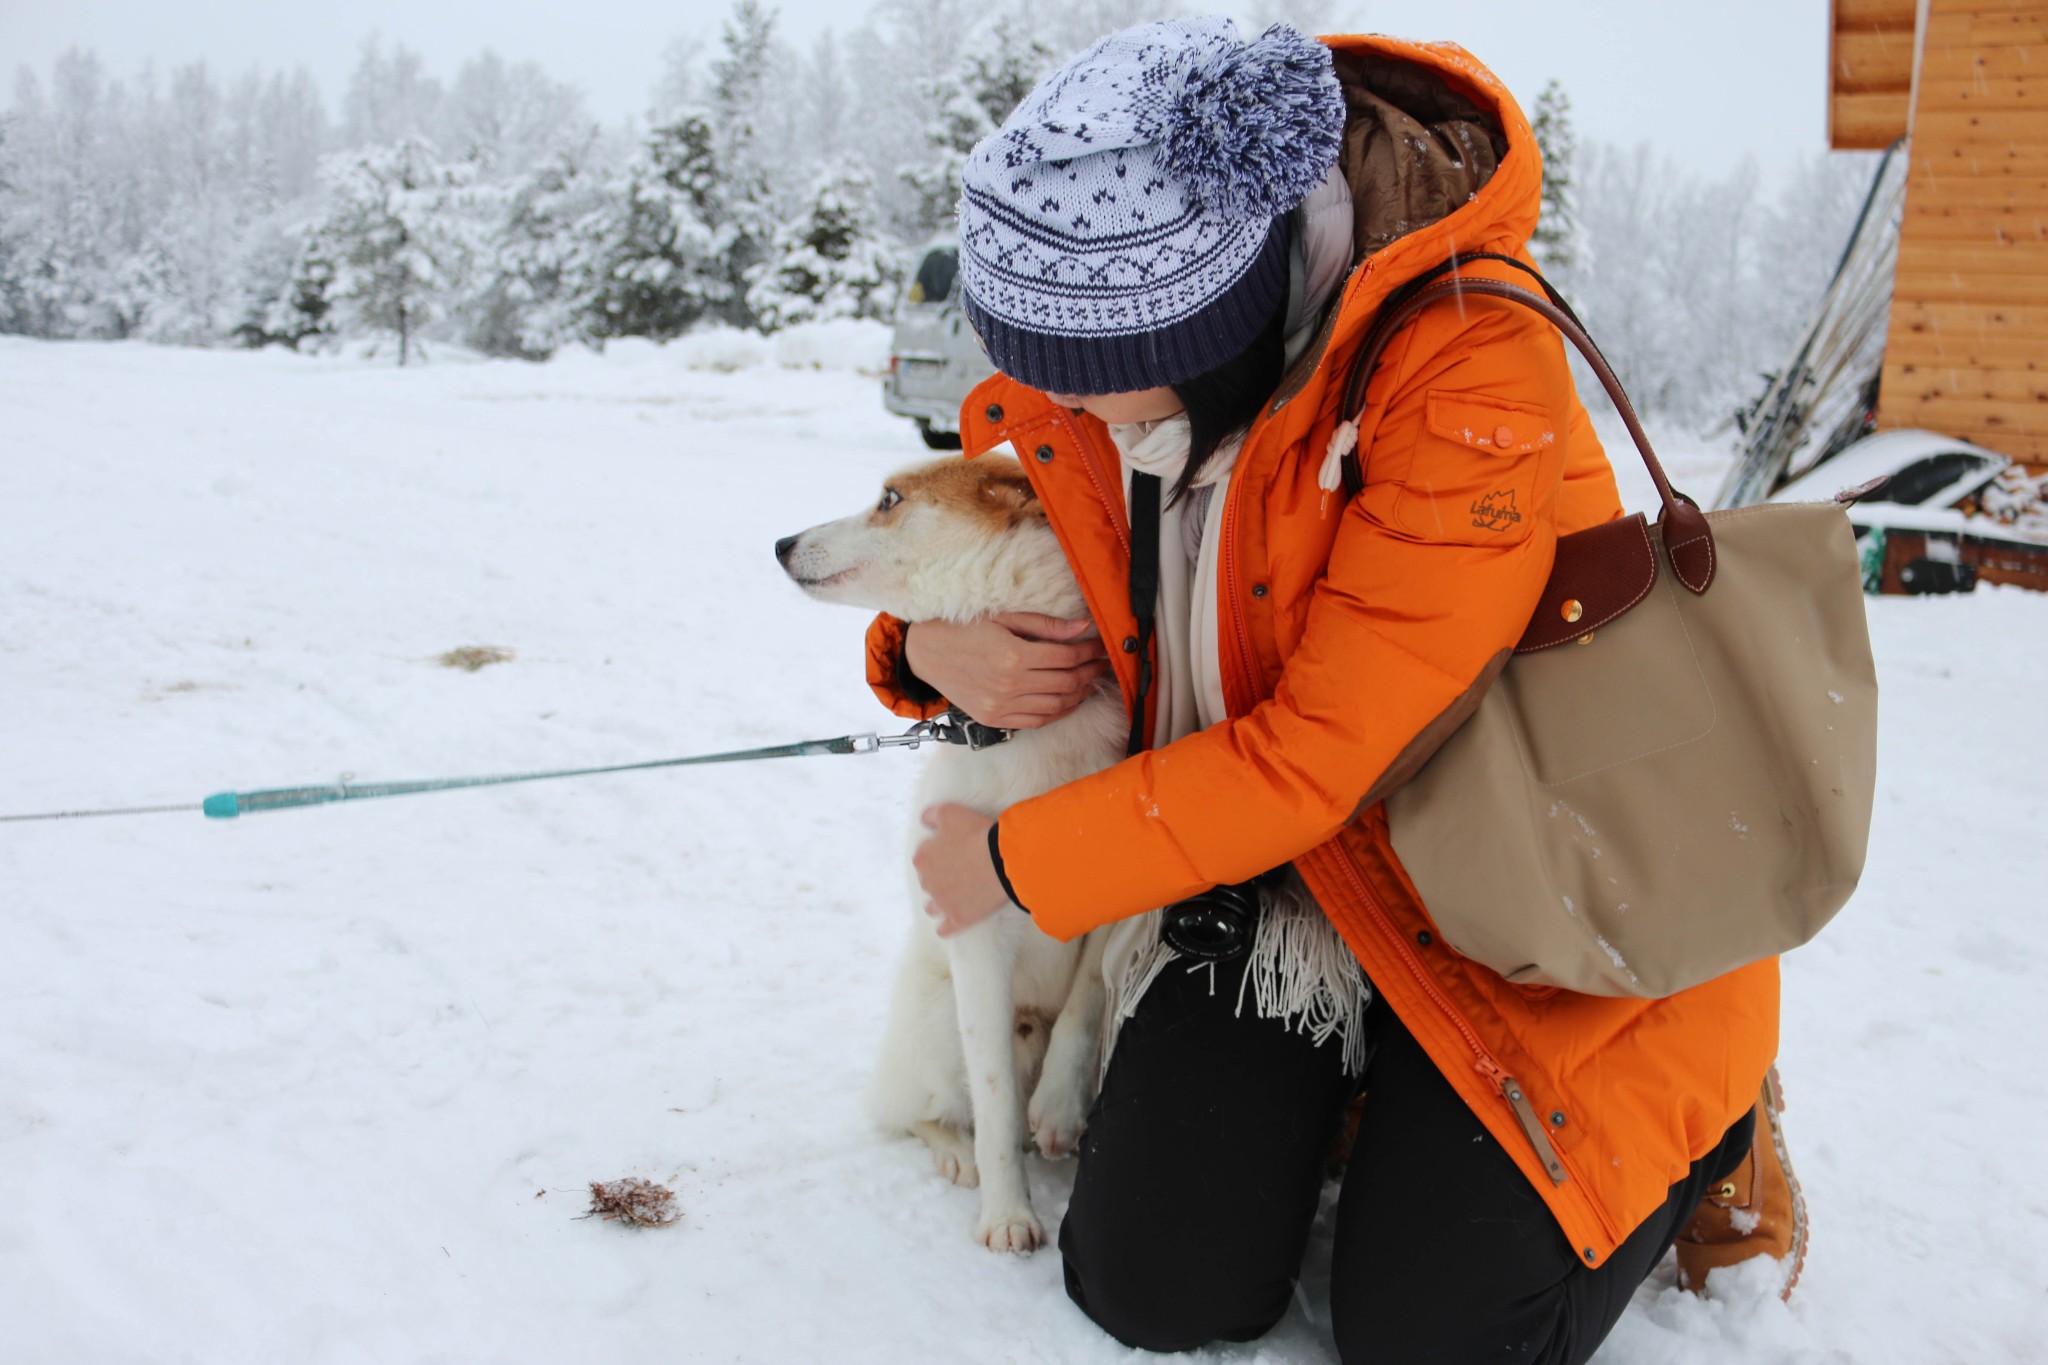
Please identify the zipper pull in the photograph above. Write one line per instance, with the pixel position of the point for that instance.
(1532, 1126)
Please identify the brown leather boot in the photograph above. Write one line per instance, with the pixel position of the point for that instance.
(1757, 1211)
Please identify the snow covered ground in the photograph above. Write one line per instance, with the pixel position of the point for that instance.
(330, 1085)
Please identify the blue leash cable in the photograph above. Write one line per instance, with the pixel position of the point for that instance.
(228, 805)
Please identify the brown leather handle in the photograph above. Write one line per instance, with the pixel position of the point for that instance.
(1687, 538)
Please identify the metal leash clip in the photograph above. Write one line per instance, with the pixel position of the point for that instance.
(955, 727)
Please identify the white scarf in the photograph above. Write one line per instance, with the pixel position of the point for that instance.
(1300, 970)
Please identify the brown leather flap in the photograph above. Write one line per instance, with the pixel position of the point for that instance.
(1600, 573)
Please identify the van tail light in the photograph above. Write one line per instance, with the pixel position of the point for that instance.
(892, 364)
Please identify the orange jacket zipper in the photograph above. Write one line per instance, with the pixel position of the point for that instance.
(1119, 511)
(1119, 522)
(1510, 1089)
(1482, 1061)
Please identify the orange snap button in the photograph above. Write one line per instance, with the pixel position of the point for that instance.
(1503, 436)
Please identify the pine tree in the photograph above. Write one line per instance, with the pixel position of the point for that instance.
(741, 205)
(535, 294)
(1556, 239)
(393, 255)
(13, 304)
(966, 105)
(290, 299)
(828, 264)
(655, 262)
(1007, 67)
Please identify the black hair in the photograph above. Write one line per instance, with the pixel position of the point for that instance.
(1223, 402)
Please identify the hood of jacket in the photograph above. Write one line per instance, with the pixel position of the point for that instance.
(1440, 162)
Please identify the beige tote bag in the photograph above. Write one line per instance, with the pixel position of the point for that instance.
(1673, 775)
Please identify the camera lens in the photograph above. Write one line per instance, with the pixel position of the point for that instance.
(1215, 926)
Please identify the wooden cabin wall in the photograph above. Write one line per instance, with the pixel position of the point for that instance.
(1870, 73)
(1967, 352)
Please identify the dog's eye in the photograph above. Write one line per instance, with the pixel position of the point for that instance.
(890, 497)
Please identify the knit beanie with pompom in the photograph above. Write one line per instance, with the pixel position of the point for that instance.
(1126, 227)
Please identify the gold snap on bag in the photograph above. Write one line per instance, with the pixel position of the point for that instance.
(1673, 774)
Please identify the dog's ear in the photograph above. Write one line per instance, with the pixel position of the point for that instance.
(1014, 495)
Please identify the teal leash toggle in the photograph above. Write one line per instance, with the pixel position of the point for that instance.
(230, 805)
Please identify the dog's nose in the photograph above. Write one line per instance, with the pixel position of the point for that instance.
(783, 547)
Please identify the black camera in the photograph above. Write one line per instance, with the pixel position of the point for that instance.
(1215, 925)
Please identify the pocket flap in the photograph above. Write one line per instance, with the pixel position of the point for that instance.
(1490, 424)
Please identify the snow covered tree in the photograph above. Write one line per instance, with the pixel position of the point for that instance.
(70, 214)
(182, 274)
(393, 254)
(826, 111)
(534, 292)
(742, 201)
(679, 86)
(830, 263)
(390, 98)
(965, 105)
(1556, 240)
(957, 123)
(656, 261)
(507, 119)
(1007, 66)
(280, 132)
(13, 305)
(289, 290)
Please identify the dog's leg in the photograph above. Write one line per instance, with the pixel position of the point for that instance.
(984, 958)
(952, 1151)
(1059, 1107)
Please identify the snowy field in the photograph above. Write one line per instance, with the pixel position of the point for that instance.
(329, 1086)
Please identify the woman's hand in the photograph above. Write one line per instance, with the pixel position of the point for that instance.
(955, 870)
(1016, 671)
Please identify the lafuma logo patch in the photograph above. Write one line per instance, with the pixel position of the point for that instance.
(1496, 511)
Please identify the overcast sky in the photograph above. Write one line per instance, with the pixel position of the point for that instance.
(1708, 83)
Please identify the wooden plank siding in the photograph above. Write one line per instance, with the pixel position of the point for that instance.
(1967, 350)
(1870, 73)
(2026, 29)
(1974, 383)
(1957, 287)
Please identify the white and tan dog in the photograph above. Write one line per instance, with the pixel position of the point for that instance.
(998, 1011)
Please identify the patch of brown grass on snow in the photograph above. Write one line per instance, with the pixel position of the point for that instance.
(642, 1203)
(470, 658)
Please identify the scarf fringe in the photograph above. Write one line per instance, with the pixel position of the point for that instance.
(1299, 972)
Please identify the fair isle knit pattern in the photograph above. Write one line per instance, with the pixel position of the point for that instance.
(1125, 228)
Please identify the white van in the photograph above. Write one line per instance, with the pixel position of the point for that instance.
(935, 358)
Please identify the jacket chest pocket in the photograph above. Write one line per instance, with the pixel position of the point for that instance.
(1481, 466)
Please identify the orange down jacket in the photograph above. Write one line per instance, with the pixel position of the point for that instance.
(1348, 628)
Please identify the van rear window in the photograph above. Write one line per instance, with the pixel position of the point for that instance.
(934, 276)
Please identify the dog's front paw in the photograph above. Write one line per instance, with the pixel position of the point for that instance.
(1013, 1230)
(1058, 1115)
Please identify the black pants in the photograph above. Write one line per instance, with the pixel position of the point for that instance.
(1202, 1168)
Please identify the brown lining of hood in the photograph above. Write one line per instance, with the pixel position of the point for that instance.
(1415, 150)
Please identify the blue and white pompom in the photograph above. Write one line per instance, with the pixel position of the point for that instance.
(1252, 129)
